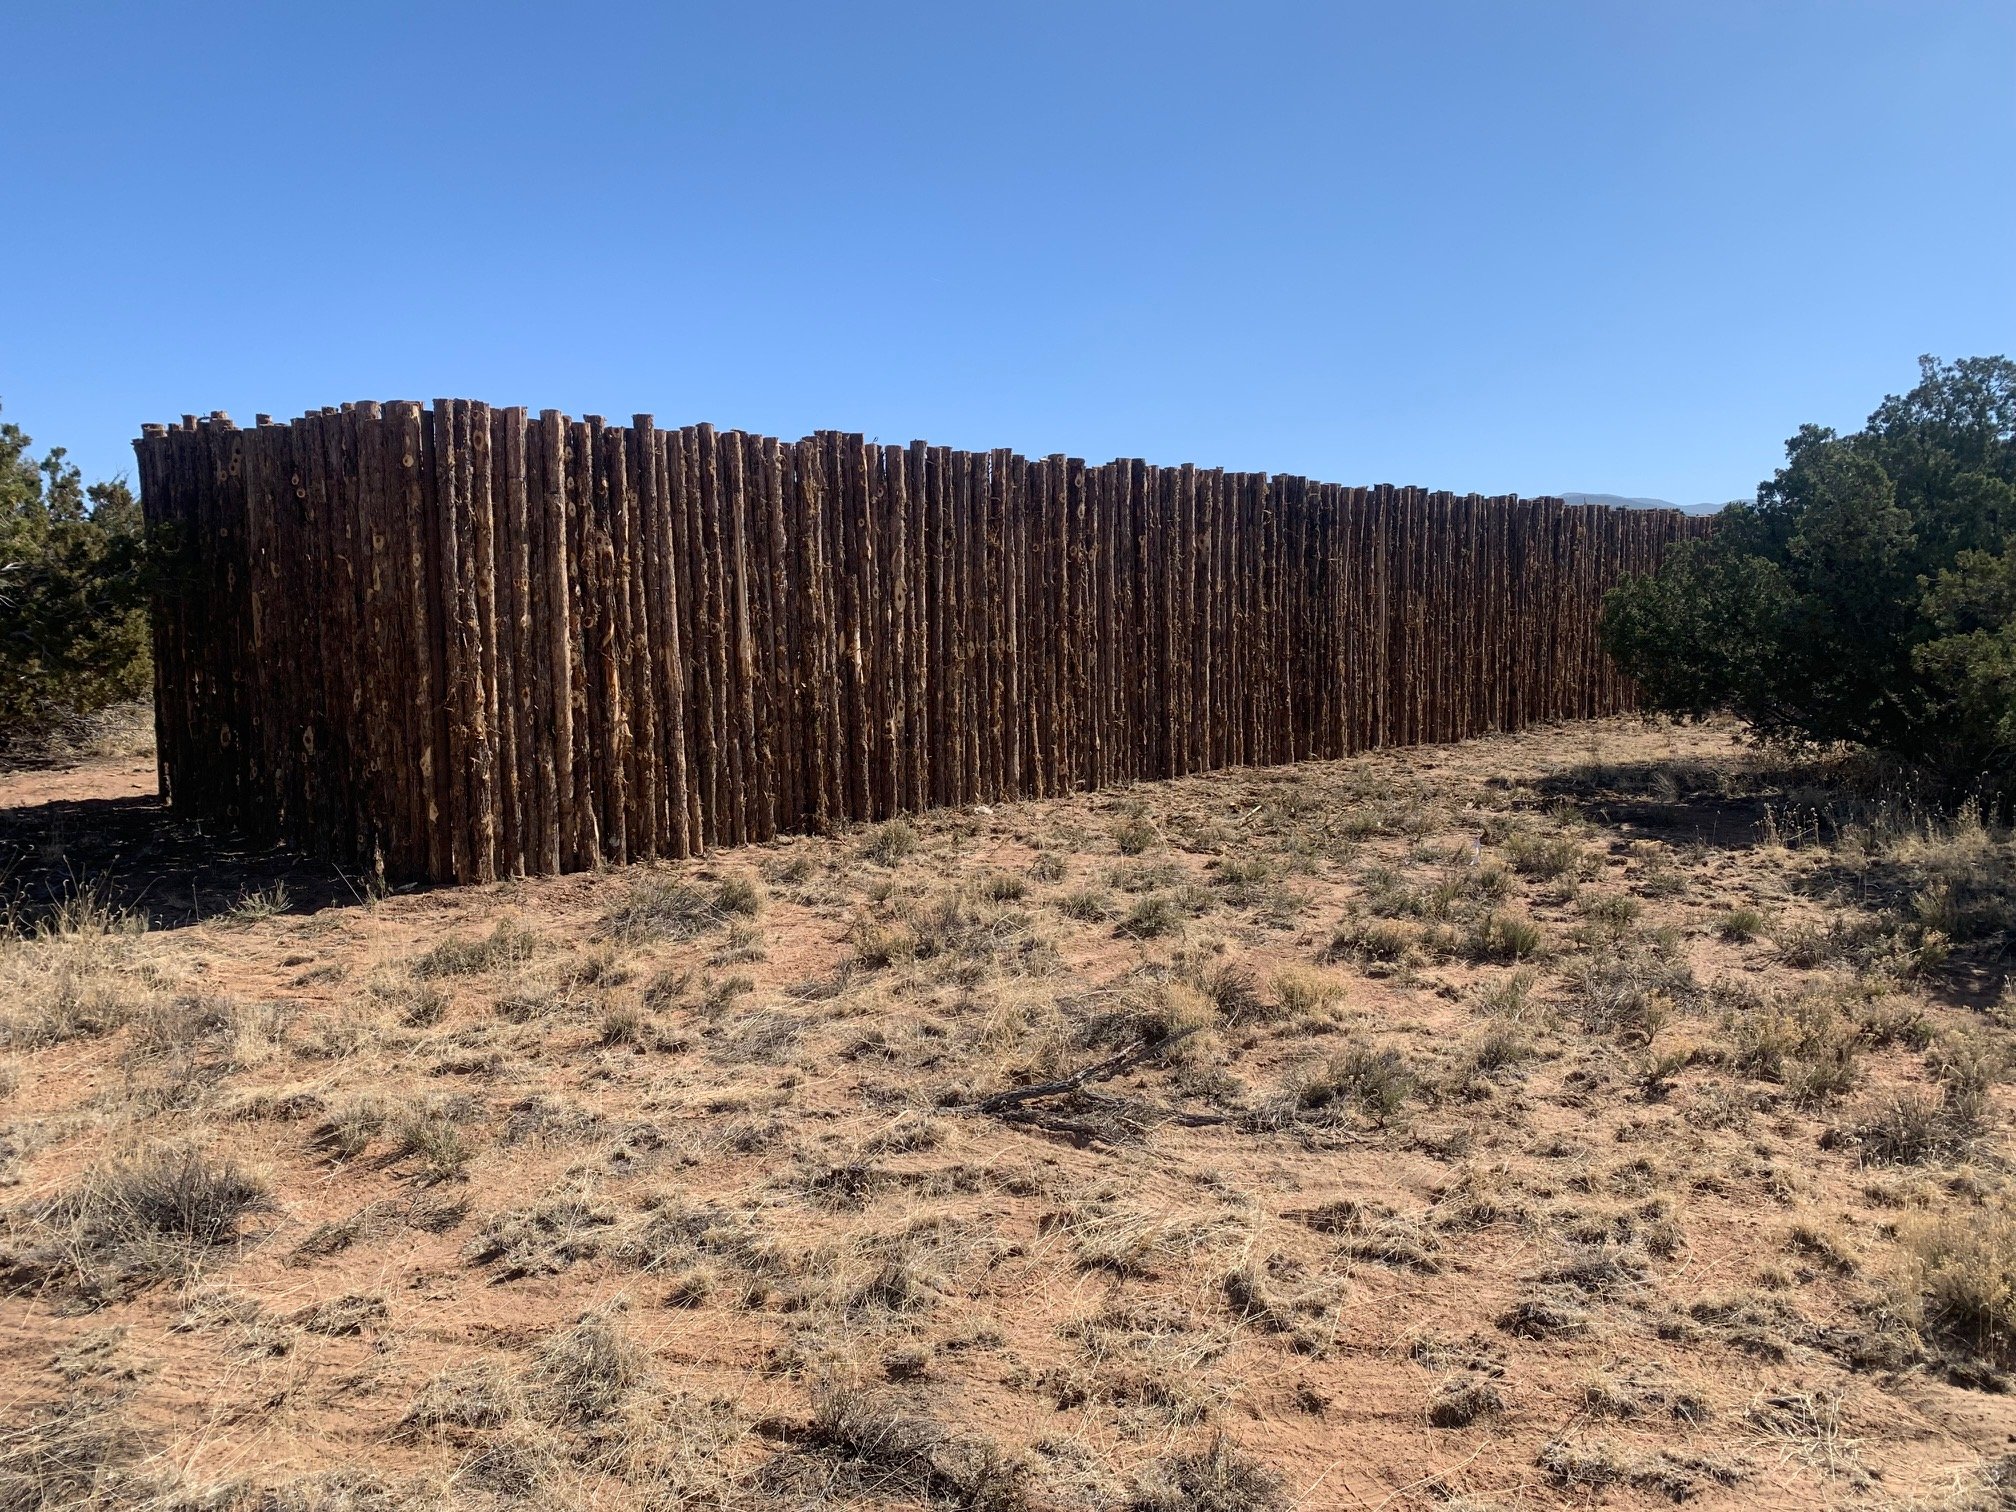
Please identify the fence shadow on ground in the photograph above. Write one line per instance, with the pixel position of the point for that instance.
(1645, 801)
(135, 857)
(1679, 806)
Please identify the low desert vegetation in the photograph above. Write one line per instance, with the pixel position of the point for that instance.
(1610, 1116)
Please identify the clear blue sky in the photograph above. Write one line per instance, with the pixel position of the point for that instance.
(1624, 246)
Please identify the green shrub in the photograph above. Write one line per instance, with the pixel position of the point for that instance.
(1868, 596)
(73, 585)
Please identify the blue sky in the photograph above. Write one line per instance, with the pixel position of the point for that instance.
(1625, 246)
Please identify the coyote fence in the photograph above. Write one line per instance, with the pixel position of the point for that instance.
(468, 642)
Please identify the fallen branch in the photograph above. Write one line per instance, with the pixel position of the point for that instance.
(1104, 1070)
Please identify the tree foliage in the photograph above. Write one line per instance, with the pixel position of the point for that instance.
(1867, 596)
(73, 623)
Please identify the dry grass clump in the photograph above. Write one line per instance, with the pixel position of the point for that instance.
(1233, 990)
(1460, 890)
(1579, 1464)
(351, 1126)
(1741, 924)
(1260, 1296)
(1510, 998)
(257, 904)
(1086, 905)
(479, 1395)
(1374, 1084)
(545, 1237)
(1629, 1395)
(1246, 883)
(1544, 858)
(579, 1410)
(633, 1026)
(199, 1038)
(83, 912)
(508, 944)
(1143, 1362)
(661, 908)
(1464, 1400)
(342, 1317)
(63, 1002)
(1808, 1045)
(582, 1374)
(865, 1443)
(1134, 833)
(963, 932)
(1609, 913)
(1960, 873)
(1914, 1126)
(1501, 1047)
(1378, 1235)
(1302, 994)
(76, 975)
(1504, 937)
(433, 1133)
(1945, 1121)
(1128, 1240)
(84, 1453)
(889, 843)
(1000, 887)
(977, 933)
(1150, 918)
(1214, 1476)
(1629, 992)
(1382, 941)
(1957, 1280)
(121, 730)
(1169, 1012)
(154, 1217)
(1543, 1318)
(1852, 943)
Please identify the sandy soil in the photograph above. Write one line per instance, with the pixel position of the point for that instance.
(1518, 1123)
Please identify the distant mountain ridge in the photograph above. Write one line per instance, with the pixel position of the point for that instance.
(1621, 501)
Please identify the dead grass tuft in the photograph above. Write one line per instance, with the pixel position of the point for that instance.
(583, 1374)
(1912, 1126)
(1958, 1280)
(1214, 1476)
(472, 1396)
(1374, 1083)
(85, 1453)
(664, 908)
(889, 843)
(1629, 992)
(861, 1442)
(151, 1218)
(508, 944)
